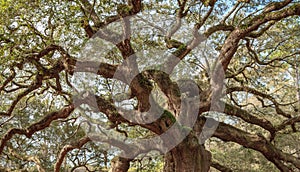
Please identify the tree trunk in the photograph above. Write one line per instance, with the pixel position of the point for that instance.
(188, 156)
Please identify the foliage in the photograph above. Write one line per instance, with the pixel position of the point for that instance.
(43, 48)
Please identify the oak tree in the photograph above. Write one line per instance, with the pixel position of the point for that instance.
(102, 84)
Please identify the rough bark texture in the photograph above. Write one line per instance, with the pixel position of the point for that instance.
(119, 164)
(188, 156)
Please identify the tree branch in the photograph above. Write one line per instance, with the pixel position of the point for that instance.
(40, 125)
(227, 132)
(67, 148)
(34, 159)
(220, 167)
(263, 95)
(247, 117)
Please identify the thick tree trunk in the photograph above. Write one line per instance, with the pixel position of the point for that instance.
(188, 156)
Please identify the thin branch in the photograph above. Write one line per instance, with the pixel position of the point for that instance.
(263, 95)
(230, 12)
(67, 148)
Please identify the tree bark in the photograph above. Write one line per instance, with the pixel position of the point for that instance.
(188, 156)
(119, 164)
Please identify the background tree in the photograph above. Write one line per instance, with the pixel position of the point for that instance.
(256, 44)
